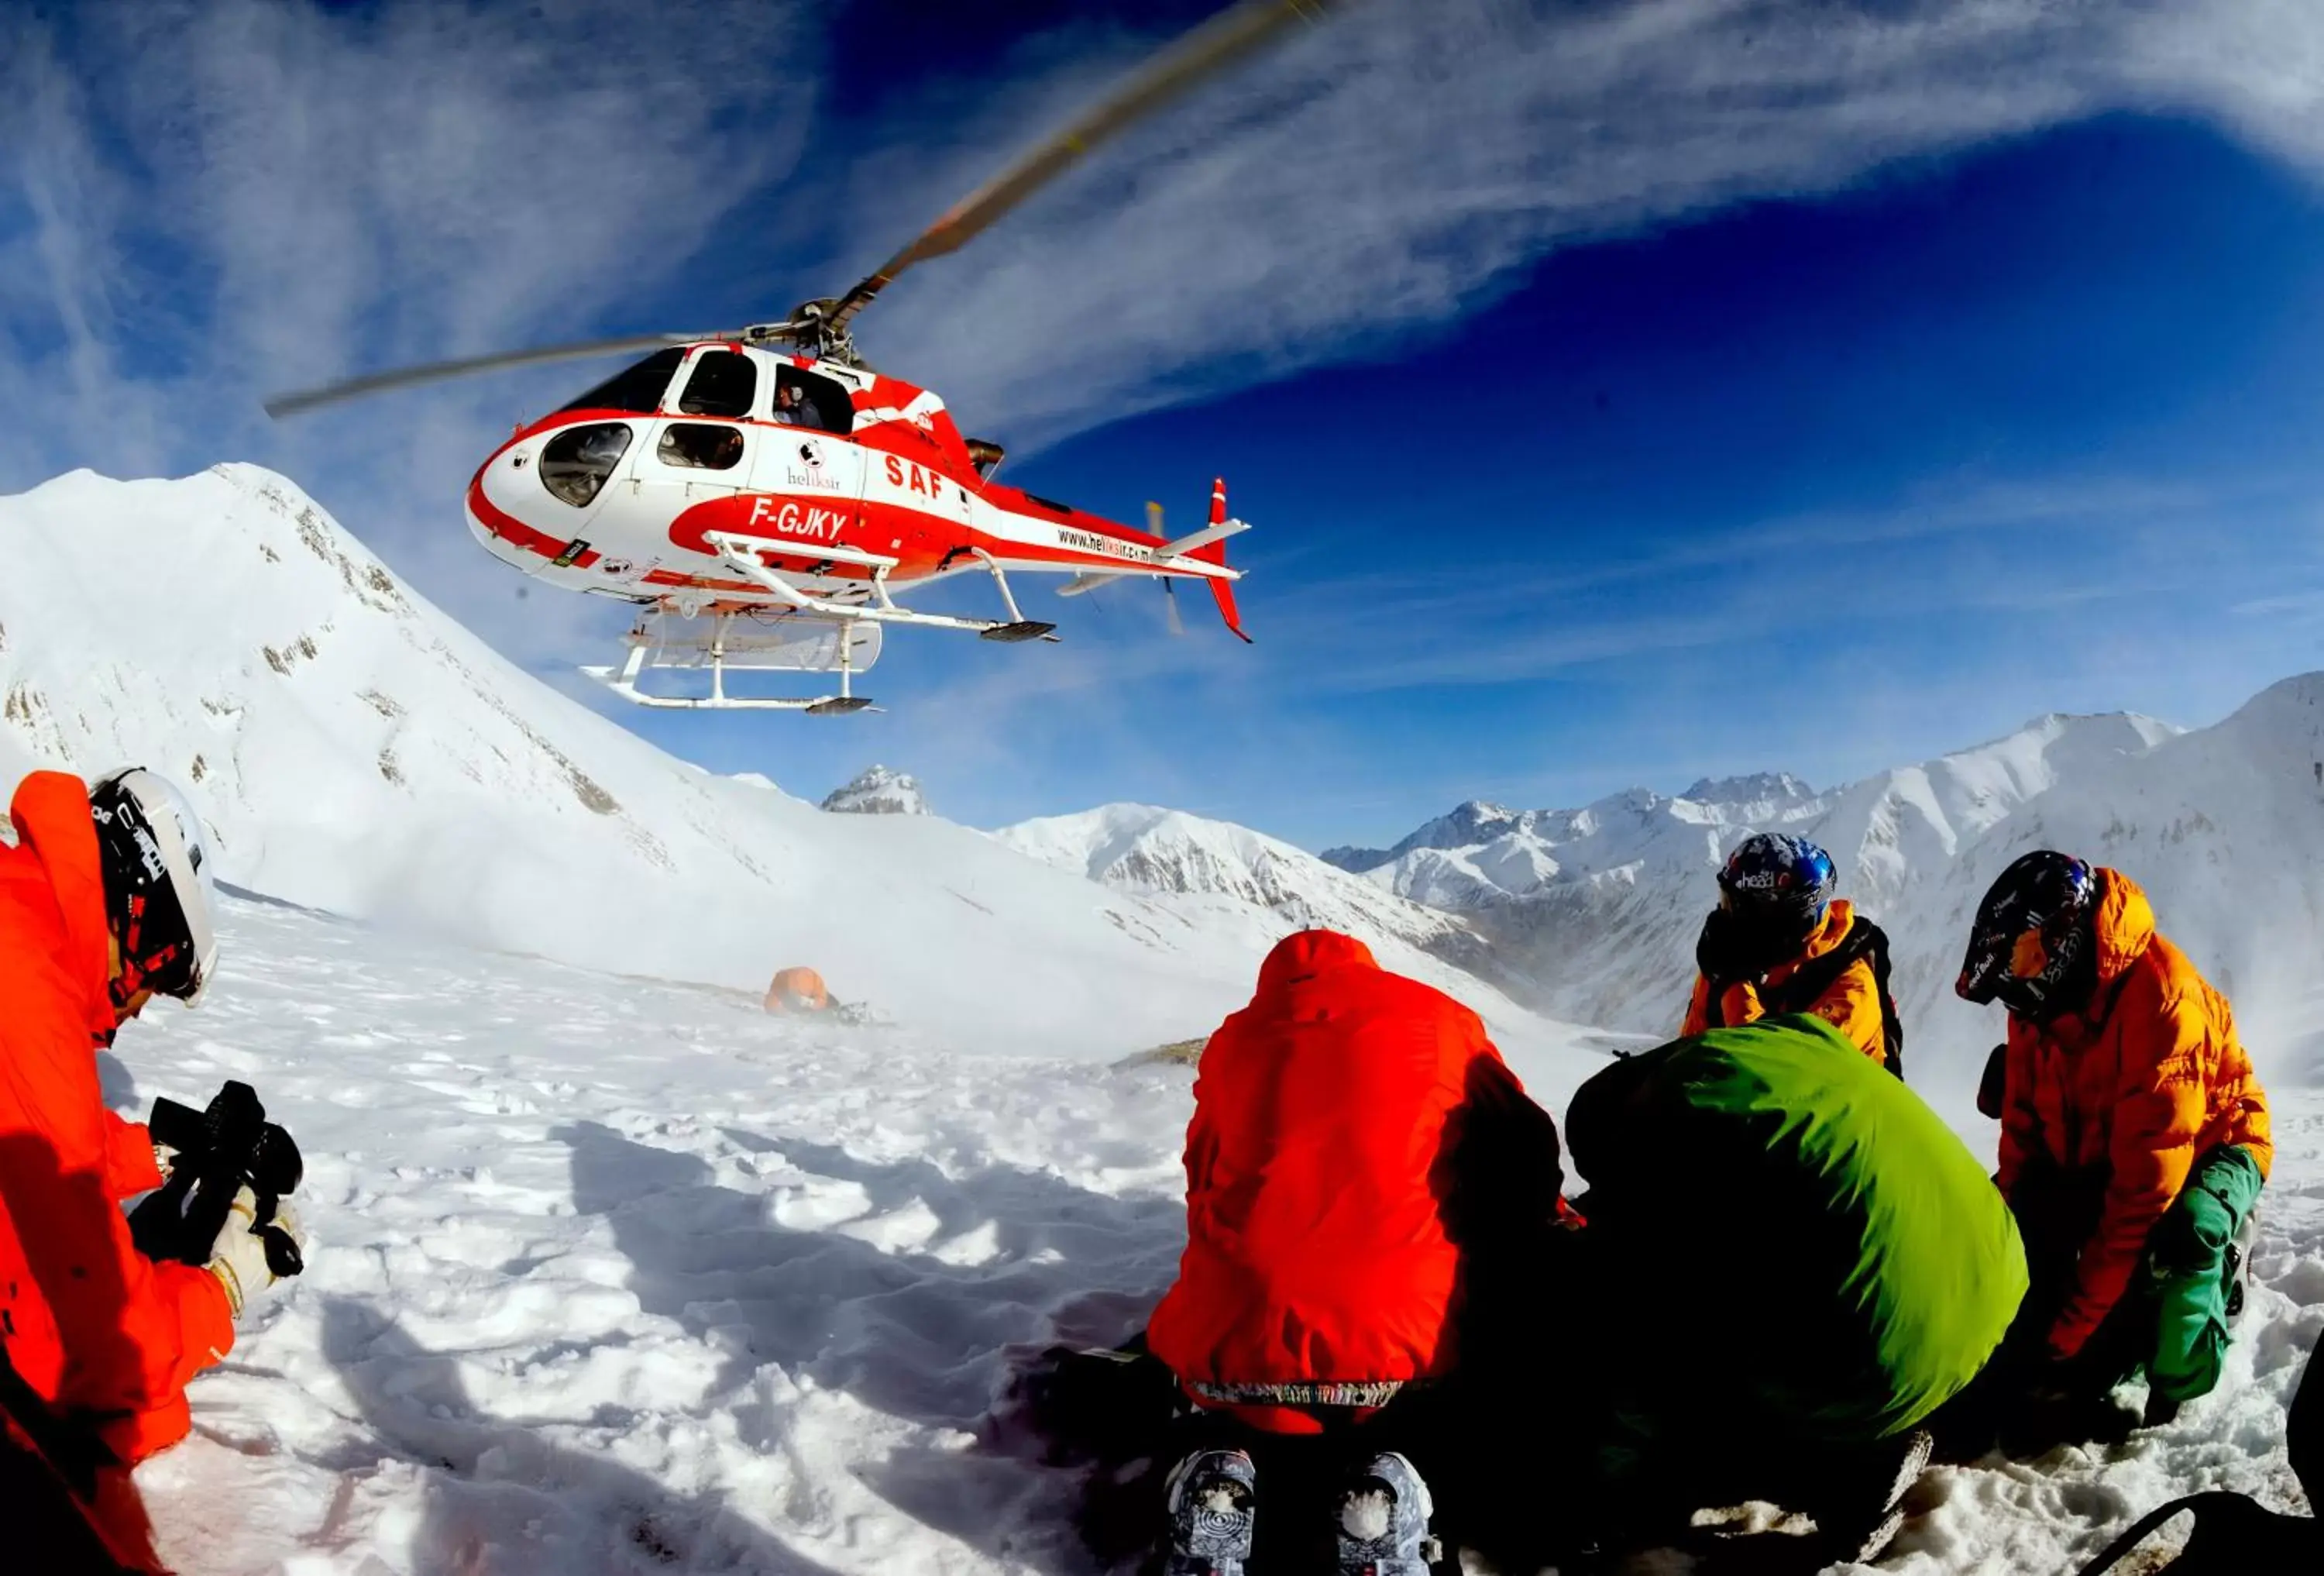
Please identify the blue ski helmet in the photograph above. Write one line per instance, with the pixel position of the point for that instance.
(1779, 881)
(2032, 943)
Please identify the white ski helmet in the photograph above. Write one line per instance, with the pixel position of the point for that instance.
(158, 890)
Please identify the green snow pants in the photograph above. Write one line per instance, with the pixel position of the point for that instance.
(2190, 1272)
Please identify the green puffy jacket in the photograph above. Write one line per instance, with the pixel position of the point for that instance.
(1793, 1239)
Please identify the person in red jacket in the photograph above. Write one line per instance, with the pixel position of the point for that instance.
(104, 904)
(1360, 1160)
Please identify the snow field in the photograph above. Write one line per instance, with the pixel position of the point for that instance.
(619, 1276)
(616, 1276)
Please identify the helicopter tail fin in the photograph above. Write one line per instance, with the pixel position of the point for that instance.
(1224, 591)
(1208, 545)
(1219, 529)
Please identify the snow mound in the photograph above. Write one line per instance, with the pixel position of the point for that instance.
(879, 790)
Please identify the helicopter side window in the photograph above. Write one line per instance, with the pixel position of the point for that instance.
(725, 383)
(805, 399)
(638, 388)
(575, 464)
(700, 446)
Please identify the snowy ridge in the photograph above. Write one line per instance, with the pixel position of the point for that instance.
(356, 752)
(1172, 855)
(878, 790)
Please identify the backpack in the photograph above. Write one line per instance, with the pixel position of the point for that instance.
(1799, 993)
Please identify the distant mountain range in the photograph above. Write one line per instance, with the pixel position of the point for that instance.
(1591, 914)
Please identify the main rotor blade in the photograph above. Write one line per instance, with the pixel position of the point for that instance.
(355, 388)
(1208, 50)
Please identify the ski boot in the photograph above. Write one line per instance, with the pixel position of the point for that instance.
(1211, 1497)
(1384, 1522)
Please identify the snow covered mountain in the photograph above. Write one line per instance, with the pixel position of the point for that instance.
(878, 790)
(1593, 912)
(1140, 849)
(357, 752)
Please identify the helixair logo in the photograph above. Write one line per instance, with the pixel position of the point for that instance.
(809, 468)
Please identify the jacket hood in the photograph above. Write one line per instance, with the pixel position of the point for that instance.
(2124, 927)
(1305, 953)
(50, 813)
(1839, 919)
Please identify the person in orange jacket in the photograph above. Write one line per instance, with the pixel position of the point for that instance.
(104, 904)
(1360, 1163)
(2134, 1134)
(1779, 942)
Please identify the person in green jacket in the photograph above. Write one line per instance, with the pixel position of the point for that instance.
(1804, 1264)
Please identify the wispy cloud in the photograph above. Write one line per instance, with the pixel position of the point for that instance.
(1406, 161)
(205, 200)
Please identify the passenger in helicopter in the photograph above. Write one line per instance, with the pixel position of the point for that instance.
(792, 408)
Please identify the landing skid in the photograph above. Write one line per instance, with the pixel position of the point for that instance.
(1024, 629)
(751, 645)
(748, 647)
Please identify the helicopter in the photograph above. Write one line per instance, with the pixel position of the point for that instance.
(763, 494)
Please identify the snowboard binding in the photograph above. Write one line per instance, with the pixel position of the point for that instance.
(1212, 1497)
(1383, 1528)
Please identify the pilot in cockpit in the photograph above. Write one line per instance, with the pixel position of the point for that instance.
(791, 407)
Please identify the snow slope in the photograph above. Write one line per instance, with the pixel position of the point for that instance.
(618, 1276)
(357, 752)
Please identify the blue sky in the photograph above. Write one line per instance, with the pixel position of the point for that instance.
(1620, 393)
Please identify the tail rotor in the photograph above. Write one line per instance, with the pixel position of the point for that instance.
(1169, 585)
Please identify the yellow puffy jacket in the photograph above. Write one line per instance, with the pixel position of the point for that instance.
(1850, 1003)
(2132, 1090)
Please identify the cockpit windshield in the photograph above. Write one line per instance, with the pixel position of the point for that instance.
(638, 388)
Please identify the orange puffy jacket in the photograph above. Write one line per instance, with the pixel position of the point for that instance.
(1354, 1135)
(1851, 1004)
(96, 1328)
(2130, 1091)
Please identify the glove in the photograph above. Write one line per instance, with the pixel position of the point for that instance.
(239, 1257)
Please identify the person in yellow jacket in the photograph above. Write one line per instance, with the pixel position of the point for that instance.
(1779, 942)
(2135, 1133)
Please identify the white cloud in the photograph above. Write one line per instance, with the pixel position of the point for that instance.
(1405, 160)
(217, 202)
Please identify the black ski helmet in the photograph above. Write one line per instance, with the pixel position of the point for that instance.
(2033, 947)
(1778, 881)
(156, 868)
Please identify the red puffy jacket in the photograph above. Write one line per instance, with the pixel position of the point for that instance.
(1353, 1133)
(97, 1329)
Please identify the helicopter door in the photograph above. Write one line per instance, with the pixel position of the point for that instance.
(700, 448)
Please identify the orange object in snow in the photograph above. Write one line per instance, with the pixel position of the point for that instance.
(798, 990)
(94, 1327)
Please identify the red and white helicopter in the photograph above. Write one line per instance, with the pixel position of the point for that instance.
(763, 495)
